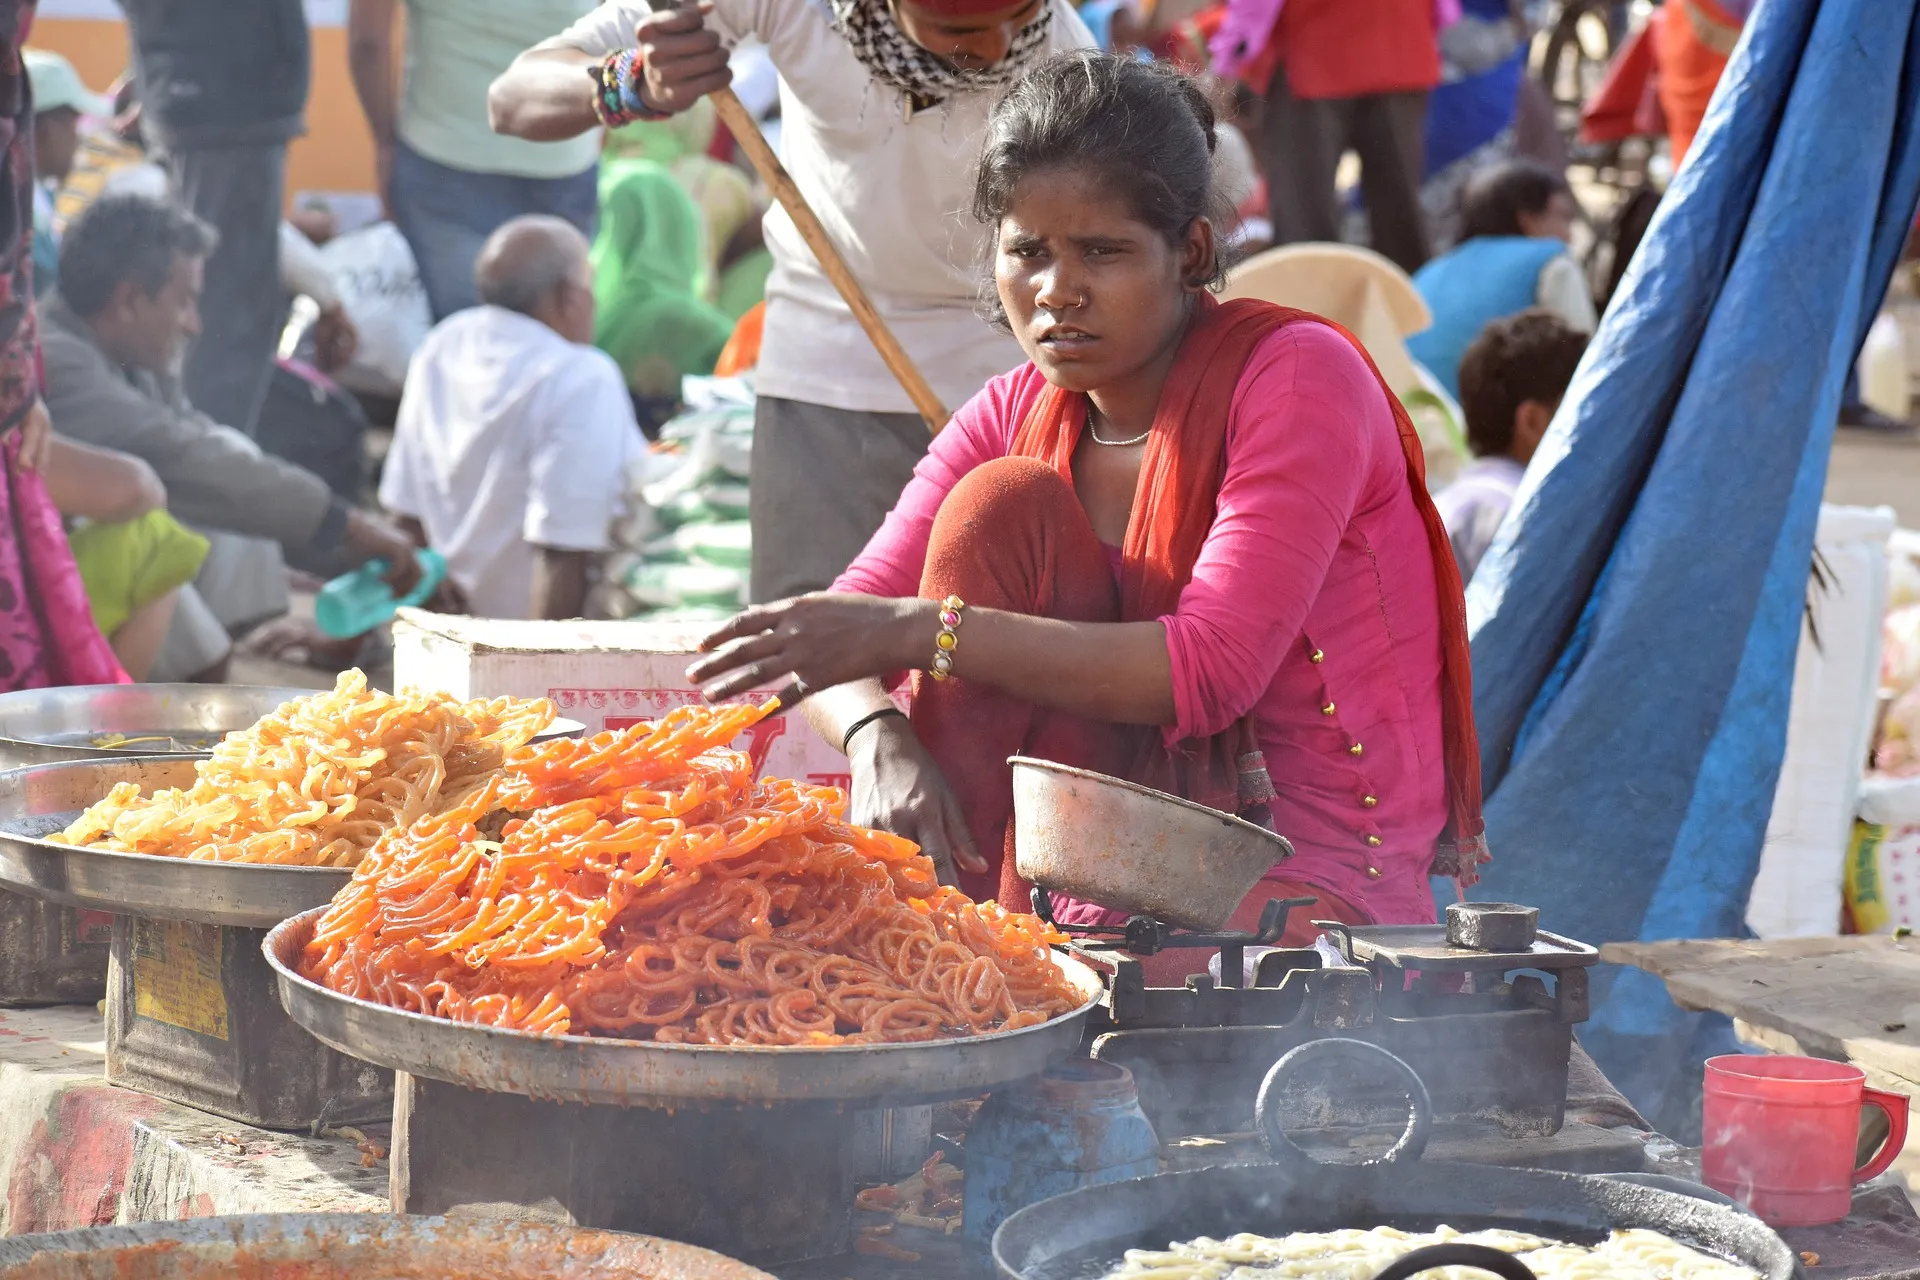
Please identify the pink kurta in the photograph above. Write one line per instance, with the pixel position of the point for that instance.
(1313, 605)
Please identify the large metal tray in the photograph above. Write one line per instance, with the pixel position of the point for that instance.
(48, 726)
(349, 1246)
(38, 801)
(51, 726)
(634, 1072)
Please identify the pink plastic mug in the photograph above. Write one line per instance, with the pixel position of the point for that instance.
(1781, 1132)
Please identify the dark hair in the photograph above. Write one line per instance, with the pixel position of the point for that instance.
(1141, 128)
(1495, 198)
(1528, 356)
(127, 237)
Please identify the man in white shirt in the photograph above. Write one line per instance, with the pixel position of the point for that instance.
(882, 109)
(448, 180)
(511, 447)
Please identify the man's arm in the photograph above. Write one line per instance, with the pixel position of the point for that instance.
(560, 582)
(102, 485)
(214, 476)
(370, 59)
(547, 94)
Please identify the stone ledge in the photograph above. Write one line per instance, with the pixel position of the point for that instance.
(76, 1151)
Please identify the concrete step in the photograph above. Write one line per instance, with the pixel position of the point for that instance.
(76, 1151)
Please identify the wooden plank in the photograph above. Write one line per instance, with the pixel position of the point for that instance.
(1855, 999)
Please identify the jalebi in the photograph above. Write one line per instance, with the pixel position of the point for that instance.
(317, 781)
(642, 884)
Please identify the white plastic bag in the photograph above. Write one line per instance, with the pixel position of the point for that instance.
(380, 285)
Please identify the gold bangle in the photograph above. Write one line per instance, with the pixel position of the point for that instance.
(944, 644)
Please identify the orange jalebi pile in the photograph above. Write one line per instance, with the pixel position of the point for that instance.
(643, 884)
(316, 781)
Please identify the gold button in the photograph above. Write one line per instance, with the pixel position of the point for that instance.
(1373, 842)
(1369, 801)
(1373, 873)
(1355, 749)
(1327, 710)
(1318, 655)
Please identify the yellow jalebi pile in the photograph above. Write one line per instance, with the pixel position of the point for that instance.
(642, 884)
(317, 781)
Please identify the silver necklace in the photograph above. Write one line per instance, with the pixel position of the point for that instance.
(1093, 430)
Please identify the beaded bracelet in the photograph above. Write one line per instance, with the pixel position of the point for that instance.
(951, 610)
(616, 90)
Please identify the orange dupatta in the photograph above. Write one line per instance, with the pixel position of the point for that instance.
(1173, 511)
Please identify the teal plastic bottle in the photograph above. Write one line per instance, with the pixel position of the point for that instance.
(355, 603)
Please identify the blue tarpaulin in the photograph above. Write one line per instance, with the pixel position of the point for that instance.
(1635, 623)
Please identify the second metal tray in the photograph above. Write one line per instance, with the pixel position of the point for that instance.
(39, 801)
(603, 1070)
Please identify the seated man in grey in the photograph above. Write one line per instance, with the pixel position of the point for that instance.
(114, 336)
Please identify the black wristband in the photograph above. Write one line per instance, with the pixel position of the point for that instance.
(846, 739)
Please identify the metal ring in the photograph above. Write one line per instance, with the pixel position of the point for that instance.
(1456, 1254)
(1287, 1154)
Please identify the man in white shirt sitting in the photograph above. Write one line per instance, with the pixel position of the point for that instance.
(511, 448)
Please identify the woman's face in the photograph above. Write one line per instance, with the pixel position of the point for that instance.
(1093, 294)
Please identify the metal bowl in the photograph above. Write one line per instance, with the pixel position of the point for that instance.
(37, 802)
(347, 1246)
(82, 722)
(1135, 849)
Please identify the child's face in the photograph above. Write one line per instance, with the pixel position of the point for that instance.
(1555, 222)
(1530, 423)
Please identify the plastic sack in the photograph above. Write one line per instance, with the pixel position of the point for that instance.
(1883, 873)
(1883, 857)
(379, 284)
(1882, 368)
(1903, 568)
(1900, 651)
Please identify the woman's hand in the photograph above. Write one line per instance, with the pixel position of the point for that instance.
(897, 787)
(819, 640)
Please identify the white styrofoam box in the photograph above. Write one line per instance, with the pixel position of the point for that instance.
(1798, 891)
(607, 675)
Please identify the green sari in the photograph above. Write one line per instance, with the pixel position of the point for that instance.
(649, 263)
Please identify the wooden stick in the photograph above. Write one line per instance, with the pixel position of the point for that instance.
(746, 131)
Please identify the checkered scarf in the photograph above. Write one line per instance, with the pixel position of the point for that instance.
(897, 61)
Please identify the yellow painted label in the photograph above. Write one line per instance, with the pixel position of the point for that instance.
(176, 976)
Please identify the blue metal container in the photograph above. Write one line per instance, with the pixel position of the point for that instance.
(1076, 1125)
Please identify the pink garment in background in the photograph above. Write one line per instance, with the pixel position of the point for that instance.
(47, 636)
(1316, 549)
(1244, 32)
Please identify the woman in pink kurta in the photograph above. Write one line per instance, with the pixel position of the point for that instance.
(1189, 544)
(1311, 607)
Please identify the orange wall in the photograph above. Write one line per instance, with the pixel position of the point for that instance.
(335, 155)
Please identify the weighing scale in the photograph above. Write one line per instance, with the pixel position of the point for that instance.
(191, 1011)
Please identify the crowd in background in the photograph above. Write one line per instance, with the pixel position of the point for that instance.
(190, 482)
